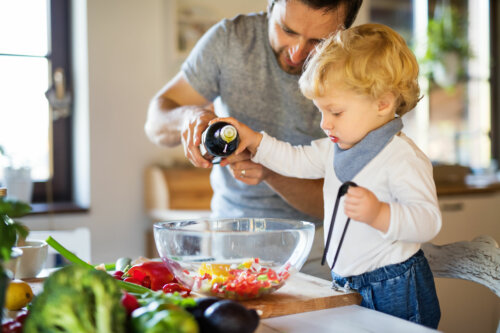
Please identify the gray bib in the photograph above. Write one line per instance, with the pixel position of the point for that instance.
(347, 163)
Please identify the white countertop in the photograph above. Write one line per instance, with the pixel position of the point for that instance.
(349, 319)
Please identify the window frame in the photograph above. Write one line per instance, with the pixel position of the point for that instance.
(495, 79)
(59, 189)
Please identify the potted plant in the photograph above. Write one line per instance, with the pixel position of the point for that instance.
(447, 47)
(10, 232)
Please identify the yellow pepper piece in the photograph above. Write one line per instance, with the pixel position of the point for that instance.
(248, 263)
(214, 269)
(218, 279)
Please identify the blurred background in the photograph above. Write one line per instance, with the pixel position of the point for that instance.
(77, 76)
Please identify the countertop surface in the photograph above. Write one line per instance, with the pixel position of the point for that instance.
(351, 318)
(180, 181)
(449, 189)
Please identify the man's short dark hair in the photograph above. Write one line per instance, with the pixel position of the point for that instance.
(351, 7)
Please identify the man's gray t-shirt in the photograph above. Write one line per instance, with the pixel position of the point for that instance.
(234, 66)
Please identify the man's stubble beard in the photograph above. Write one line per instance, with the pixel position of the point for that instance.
(284, 66)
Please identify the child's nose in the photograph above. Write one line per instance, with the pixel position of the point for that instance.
(326, 122)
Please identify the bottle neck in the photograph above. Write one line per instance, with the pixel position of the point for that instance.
(228, 133)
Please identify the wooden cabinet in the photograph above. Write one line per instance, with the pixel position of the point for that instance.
(467, 306)
(177, 188)
(175, 194)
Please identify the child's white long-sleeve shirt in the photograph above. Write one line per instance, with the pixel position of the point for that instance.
(400, 175)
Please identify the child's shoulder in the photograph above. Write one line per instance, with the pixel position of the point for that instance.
(402, 148)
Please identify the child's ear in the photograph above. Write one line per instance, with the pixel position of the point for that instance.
(386, 104)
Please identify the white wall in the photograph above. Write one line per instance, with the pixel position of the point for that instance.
(129, 45)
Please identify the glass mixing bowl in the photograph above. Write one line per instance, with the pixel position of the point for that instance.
(241, 258)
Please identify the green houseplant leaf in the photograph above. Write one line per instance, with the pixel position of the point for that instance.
(13, 208)
(447, 40)
(8, 237)
(10, 231)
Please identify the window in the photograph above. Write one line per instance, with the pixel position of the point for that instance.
(455, 121)
(34, 47)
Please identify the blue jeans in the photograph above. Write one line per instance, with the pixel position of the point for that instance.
(405, 290)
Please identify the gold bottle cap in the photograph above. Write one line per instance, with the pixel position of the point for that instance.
(228, 133)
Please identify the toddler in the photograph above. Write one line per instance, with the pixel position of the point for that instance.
(363, 80)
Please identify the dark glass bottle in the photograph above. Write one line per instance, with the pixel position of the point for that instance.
(220, 139)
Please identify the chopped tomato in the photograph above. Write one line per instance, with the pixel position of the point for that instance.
(249, 280)
(272, 275)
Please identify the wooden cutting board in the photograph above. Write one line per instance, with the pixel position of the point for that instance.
(302, 293)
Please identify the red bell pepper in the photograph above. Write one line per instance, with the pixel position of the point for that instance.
(176, 287)
(152, 274)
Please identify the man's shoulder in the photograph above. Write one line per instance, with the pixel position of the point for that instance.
(249, 20)
(244, 25)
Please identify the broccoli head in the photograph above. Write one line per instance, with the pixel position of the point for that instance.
(77, 299)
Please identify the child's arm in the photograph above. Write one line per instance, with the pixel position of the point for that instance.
(363, 206)
(280, 156)
(407, 210)
(249, 139)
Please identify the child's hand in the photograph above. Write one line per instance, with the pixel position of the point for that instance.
(249, 139)
(362, 205)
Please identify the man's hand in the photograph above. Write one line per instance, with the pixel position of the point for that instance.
(243, 169)
(362, 205)
(305, 195)
(191, 132)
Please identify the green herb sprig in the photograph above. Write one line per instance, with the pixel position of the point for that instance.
(73, 258)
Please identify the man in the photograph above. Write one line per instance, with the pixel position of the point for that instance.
(248, 67)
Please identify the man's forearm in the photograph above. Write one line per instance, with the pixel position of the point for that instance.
(164, 122)
(174, 112)
(305, 195)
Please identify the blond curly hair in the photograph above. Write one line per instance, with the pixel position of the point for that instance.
(369, 59)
